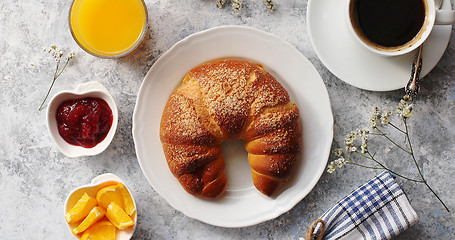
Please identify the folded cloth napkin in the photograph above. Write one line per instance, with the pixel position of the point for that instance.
(379, 209)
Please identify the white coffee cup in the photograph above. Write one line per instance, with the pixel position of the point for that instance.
(432, 17)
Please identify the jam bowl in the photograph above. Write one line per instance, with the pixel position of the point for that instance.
(82, 122)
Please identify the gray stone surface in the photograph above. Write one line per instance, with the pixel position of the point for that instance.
(35, 177)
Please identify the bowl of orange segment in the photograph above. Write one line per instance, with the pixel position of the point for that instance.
(103, 209)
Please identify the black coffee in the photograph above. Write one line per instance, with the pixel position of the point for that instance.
(390, 23)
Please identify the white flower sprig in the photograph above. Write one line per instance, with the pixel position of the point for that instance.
(345, 156)
(57, 54)
(237, 5)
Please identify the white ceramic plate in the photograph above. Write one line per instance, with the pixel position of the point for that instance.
(354, 64)
(241, 205)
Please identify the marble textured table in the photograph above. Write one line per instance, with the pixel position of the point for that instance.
(35, 177)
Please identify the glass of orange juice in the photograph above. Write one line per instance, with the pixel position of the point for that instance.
(108, 28)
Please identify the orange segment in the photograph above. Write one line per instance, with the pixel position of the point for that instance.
(95, 214)
(118, 216)
(128, 203)
(102, 230)
(109, 194)
(81, 209)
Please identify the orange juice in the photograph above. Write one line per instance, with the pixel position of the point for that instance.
(108, 28)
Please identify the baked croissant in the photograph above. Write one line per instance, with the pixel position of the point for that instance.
(229, 99)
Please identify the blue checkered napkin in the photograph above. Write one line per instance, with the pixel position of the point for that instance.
(379, 209)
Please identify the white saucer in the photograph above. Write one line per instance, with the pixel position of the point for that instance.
(354, 64)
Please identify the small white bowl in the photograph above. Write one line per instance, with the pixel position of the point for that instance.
(89, 89)
(91, 189)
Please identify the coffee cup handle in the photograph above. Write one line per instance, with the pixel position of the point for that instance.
(445, 17)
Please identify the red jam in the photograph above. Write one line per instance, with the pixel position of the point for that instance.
(84, 122)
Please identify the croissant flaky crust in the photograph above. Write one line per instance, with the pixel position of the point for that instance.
(229, 99)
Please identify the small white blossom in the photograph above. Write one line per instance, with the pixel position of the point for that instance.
(220, 3)
(351, 137)
(404, 108)
(352, 149)
(349, 140)
(270, 5)
(358, 132)
(340, 162)
(70, 55)
(364, 145)
(401, 106)
(404, 103)
(363, 149)
(374, 116)
(407, 112)
(338, 152)
(385, 117)
(55, 52)
(236, 5)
